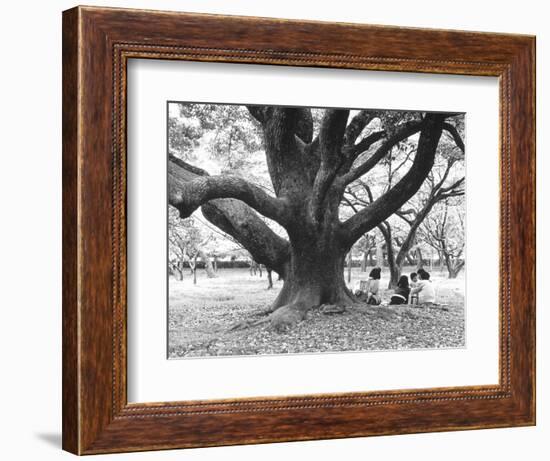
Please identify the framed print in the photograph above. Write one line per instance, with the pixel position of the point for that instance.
(284, 230)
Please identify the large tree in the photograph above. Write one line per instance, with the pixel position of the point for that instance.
(310, 164)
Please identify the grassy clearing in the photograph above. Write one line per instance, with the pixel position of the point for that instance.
(200, 314)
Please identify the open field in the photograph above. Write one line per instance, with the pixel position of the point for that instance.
(199, 316)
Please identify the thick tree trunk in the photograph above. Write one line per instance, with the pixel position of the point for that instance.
(364, 262)
(314, 280)
(315, 276)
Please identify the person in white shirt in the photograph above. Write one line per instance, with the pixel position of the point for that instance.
(369, 291)
(425, 289)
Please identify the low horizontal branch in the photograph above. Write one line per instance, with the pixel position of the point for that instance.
(190, 195)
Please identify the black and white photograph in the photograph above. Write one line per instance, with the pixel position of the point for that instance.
(310, 230)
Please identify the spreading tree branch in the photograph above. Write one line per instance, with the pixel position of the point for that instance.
(243, 224)
(258, 112)
(284, 149)
(331, 137)
(451, 129)
(357, 124)
(239, 221)
(453, 187)
(304, 125)
(391, 201)
(186, 197)
(351, 153)
(403, 132)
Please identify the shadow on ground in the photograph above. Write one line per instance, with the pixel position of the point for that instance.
(51, 438)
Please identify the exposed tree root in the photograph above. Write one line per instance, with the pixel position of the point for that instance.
(280, 320)
(332, 309)
(246, 323)
(286, 317)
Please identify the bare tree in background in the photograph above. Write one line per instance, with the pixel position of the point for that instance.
(444, 231)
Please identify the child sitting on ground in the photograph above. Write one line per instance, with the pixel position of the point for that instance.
(373, 295)
(370, 294)
(425, 289)
(401, 294)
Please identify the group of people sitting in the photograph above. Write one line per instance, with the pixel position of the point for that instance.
(419, 290)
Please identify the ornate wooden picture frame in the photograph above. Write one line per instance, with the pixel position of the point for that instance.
(97, 44)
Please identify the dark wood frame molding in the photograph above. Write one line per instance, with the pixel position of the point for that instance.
(97, 43)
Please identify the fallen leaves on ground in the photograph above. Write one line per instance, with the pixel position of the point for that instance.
(198, 326)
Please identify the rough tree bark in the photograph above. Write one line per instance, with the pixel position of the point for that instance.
(309, 177)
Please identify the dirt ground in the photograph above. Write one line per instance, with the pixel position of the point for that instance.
(200, 315)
